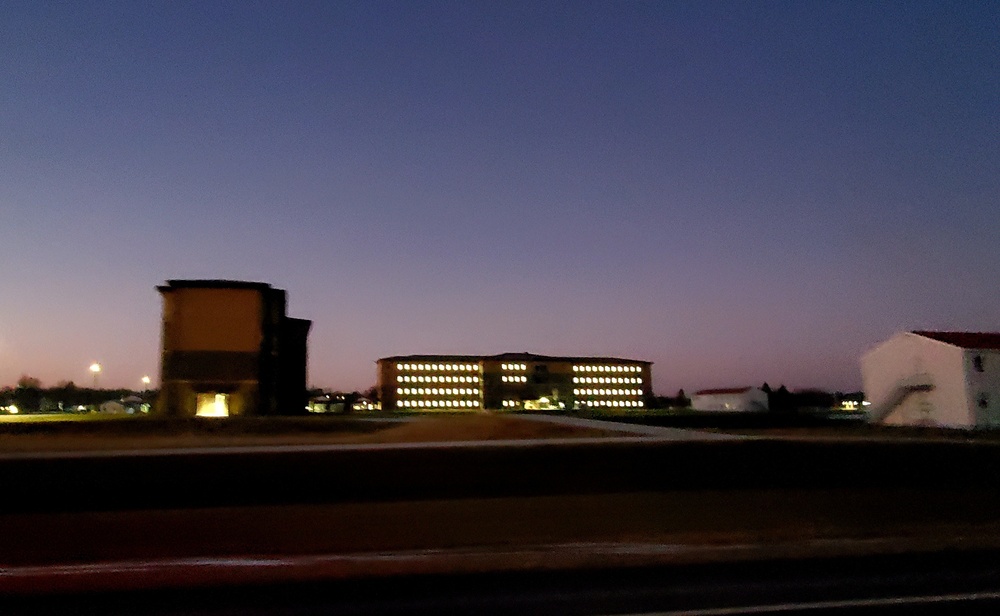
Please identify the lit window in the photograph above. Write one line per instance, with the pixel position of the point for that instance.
(640, 402)
(399, 379)
(475, 379)
(212, 405)
(475, 403)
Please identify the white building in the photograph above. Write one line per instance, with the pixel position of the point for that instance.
(934, 378)
(743, 399)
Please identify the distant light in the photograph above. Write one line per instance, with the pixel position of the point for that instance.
(145, 380)
(95, 367)
(13, 409)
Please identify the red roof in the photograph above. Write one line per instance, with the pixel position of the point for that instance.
(966, 340)
(732, 390)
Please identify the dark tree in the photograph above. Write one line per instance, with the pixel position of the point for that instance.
(28, 382)
(682, 400)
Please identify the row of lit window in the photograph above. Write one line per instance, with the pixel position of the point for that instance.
(606, 369)
(607, 379)
(437, 391)
(447, 404)
(438, 367)
(437, 379)
(511, 403)
(607, 392)
(514, 379)
(513, 366)
(633, 403)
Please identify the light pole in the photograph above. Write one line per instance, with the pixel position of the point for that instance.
(95, 368)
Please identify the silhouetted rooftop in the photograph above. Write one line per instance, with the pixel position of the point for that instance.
(966, 340)
(515, 357)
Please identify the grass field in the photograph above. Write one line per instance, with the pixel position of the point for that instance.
(147, 432)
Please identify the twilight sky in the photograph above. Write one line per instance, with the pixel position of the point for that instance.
(739, 192)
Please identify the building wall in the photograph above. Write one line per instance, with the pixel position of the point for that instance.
(983, 385)
(200, 319)
(230, 339)
(907, 358)
(511, 382)
(292, 366)
(431, 383)
(602, 384)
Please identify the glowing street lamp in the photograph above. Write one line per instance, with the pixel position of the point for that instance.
(146, 381)
(95, 368)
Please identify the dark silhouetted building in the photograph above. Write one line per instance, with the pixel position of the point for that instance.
(229, 349)
(512, 381)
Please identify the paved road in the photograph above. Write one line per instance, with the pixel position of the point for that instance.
(935, 583)
(225, 504)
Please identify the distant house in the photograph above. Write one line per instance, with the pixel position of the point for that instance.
(934, 378)
(327, 403)
(739, 399)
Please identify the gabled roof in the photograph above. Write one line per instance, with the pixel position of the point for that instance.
(965, 340)
(715, 392)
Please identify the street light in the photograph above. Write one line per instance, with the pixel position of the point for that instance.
(96, 369)
(146, 381)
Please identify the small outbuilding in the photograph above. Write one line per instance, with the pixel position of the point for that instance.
(738, 399)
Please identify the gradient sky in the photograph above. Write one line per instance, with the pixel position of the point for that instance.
(739, 192)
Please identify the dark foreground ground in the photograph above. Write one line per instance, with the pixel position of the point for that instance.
(940, 583)
(574, 527)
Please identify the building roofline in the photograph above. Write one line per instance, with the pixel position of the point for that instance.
(514, 357)
(963, 340)
(213, 284)
(729, 390)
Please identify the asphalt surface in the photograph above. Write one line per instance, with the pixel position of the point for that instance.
(950, 583)
(137, 508)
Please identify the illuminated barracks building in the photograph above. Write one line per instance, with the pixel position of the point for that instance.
(512, 381)
(229, 349)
